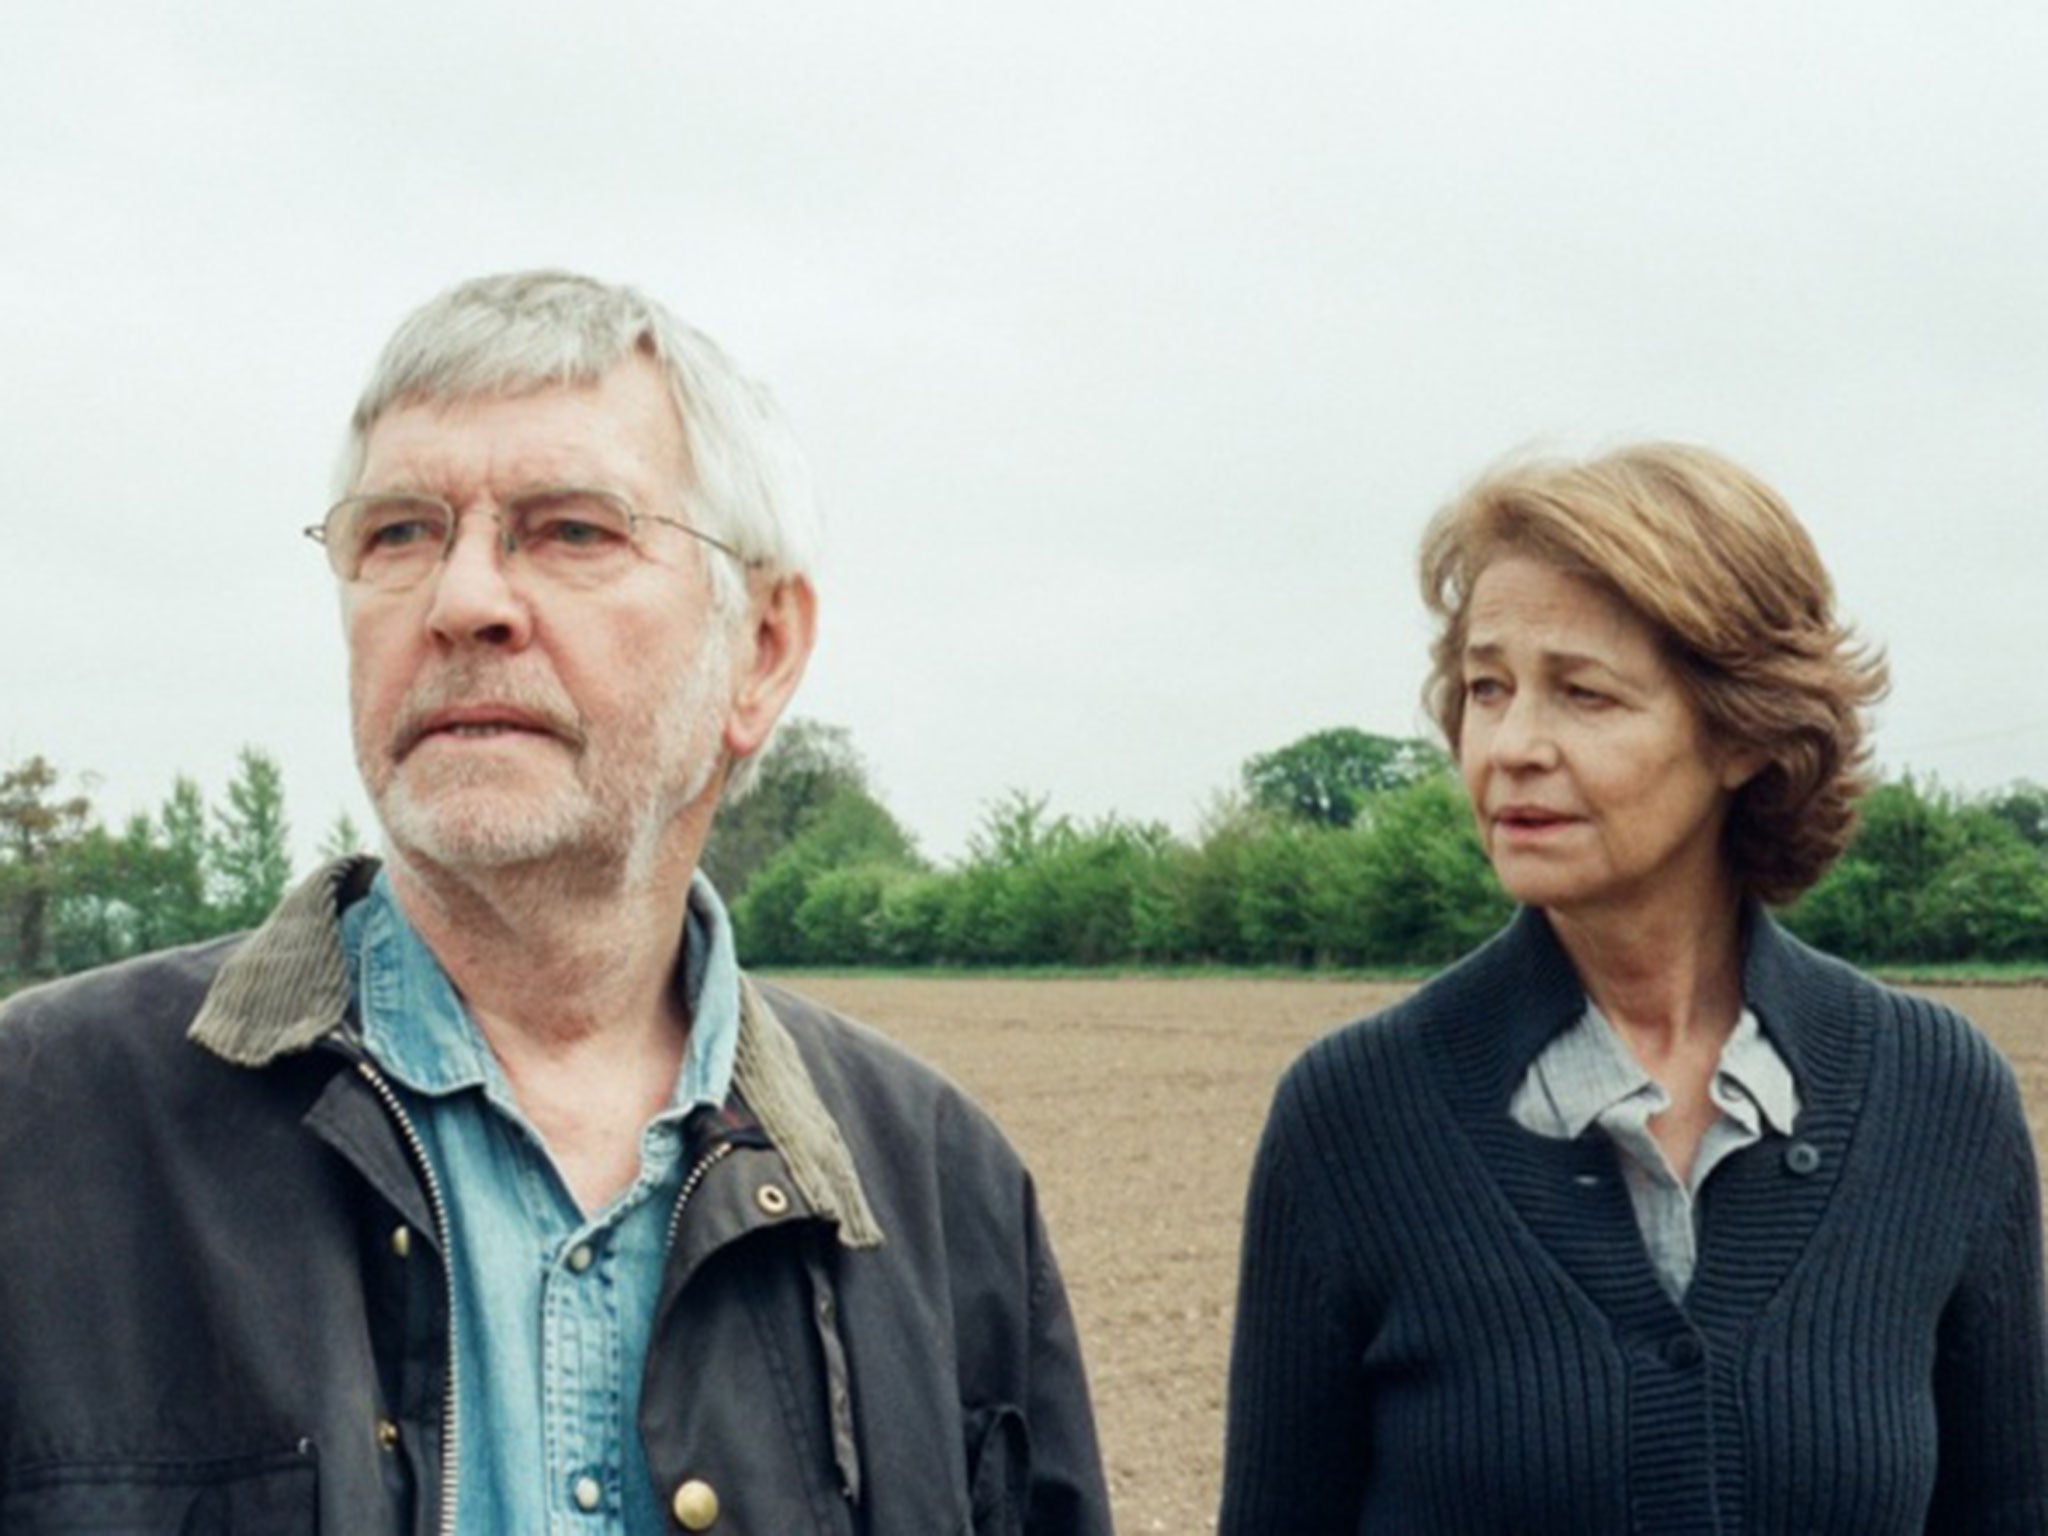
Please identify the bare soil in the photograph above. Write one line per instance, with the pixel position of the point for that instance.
(1137, 1103)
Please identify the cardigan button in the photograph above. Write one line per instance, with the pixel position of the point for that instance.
(1802, 1158)
(695, 1505)
(1682, 1352)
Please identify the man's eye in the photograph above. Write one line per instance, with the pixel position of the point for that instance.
(576, 533)
(396, 535)
(571, 524)
(393, 530)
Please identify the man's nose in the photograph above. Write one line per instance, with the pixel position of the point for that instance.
(476, 597)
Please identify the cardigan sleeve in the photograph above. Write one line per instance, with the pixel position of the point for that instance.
(1991, 1364)
(1296, 1450)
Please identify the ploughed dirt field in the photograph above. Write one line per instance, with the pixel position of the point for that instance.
(1137, 1103)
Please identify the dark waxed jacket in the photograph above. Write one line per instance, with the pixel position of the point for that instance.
(223, 1308)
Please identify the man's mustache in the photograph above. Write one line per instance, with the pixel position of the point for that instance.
(470, 696)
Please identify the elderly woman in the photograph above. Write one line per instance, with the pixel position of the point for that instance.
(1644, 1217)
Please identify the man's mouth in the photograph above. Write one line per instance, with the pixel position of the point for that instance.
(482, 728)
(479, 723)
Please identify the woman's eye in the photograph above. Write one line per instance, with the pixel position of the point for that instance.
(1588, 698)
(1483, 690)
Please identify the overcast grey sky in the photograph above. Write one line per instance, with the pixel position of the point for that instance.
(1133, 344)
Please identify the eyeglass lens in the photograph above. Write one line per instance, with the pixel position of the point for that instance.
(579, 537)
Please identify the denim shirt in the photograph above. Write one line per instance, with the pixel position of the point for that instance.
(553, 1308)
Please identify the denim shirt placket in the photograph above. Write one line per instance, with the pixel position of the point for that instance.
(575, 1292)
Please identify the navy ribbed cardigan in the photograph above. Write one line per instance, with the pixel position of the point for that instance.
(1448, 1324)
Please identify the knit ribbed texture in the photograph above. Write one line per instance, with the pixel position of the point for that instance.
(1447, 1324)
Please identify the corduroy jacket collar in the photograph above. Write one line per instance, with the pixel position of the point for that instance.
(286, 989)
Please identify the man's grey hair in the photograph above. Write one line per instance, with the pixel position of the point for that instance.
(520, 332)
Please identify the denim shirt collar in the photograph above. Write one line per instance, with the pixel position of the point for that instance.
(415, 1027)
(285, 990)
(1589, 1069)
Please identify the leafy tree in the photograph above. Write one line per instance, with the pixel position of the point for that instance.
(1277, 874)
(910, 927)
(1414, 885)
(1325, 777)
(1989, 903)
(1208, 884)
(1071, 900)
(38, 830)
(1845, 912)
(974, 930)
(93, 919)
(2024, 807)
(251, 842)
(764, 920)
(851, 829)
(128, 894)
(808, 767)
(840, 917)
(1015, 831)
(1164, 919)
(183, 911)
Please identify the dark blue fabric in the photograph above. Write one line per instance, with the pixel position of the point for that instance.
(1449, 1324)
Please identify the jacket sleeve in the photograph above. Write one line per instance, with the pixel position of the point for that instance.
(1991, 1364)
(1296, 1448)
(1067, 1495)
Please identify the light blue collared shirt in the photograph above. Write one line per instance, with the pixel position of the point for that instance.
(553, 1308)
(1588, 1076)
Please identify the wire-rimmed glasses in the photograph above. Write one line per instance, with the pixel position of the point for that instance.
(574, 535)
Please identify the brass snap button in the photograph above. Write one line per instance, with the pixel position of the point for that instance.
(695, 1505)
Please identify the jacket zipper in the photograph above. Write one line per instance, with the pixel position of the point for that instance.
(713, 1156)
(451, 1463)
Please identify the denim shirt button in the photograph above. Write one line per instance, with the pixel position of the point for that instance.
(581, 1258)
(587, 1492)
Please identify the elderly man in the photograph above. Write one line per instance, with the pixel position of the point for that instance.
(481, 1192)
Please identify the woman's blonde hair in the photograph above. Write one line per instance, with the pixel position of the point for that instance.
(1718, 566)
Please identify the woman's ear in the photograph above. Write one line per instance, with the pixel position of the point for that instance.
(1739, 767)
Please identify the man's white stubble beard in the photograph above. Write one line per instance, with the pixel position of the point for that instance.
(623, 797)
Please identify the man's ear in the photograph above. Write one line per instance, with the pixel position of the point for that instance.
(769, 659)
